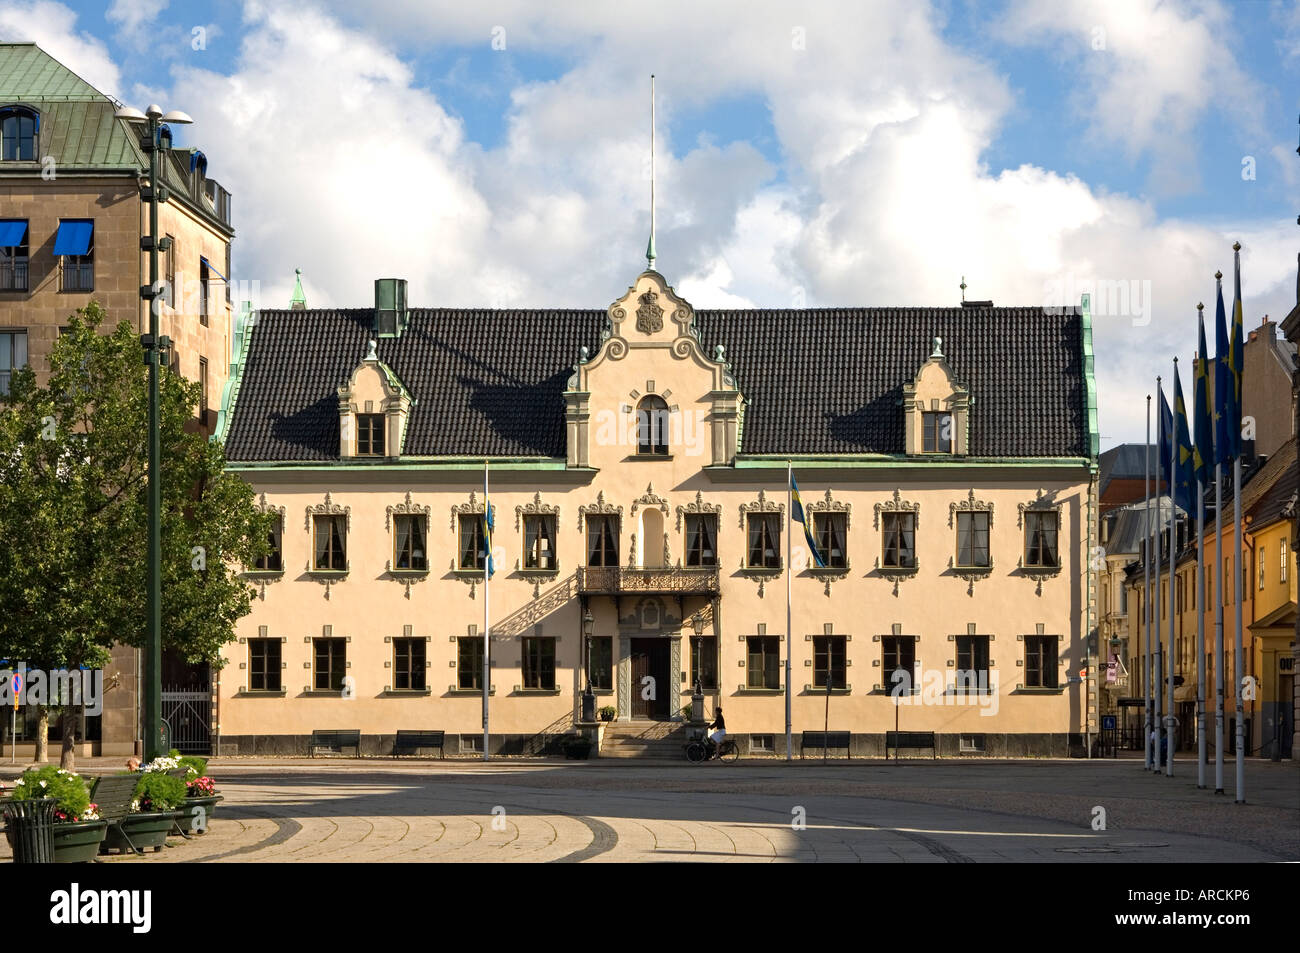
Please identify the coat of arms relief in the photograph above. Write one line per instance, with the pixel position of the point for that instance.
(649, 316)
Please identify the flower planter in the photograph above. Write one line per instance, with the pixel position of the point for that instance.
(146, 829)
(192, 820)
(78, 843)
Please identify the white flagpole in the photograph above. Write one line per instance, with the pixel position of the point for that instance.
(789, 617)
(1238, 662)
(1146, 592)
(1173, 603)
(1218, 627)
(487, 631)
(1158, 598)
(1200, 626)
(1237, 667)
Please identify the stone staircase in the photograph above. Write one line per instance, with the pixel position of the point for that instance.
(660, 740)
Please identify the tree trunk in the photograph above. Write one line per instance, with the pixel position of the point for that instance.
(42, 734)
(68, 724)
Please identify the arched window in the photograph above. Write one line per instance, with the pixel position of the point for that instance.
(18, 128)
(652, 426)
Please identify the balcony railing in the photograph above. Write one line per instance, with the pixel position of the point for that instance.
(13, 275)
(630, 579)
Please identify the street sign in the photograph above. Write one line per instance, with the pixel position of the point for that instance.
(16, 686)
(1108, 722)
(1074, 679)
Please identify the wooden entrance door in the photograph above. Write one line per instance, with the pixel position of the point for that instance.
(650, 659)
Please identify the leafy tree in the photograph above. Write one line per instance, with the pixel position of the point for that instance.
(74, 514)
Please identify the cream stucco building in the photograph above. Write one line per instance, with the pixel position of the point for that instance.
(637, 457)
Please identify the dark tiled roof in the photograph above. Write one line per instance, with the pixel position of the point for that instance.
(1127, 461)
(1279, 499)
(816, 381)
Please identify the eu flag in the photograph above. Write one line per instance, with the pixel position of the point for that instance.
(1184, 469)
(797, 513)
(1222, 384)
(1203, 412)
(1164, 441)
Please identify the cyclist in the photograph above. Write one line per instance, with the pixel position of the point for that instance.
(718, 736)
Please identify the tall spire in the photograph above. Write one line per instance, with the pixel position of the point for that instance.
(650, 247)
(299, 300)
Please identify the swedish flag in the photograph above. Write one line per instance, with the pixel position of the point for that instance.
(1203, 412)
(797, 514)
(489, 523)
(1183, 454)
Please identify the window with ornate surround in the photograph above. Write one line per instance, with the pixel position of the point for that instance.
(1041, 522)
(830, 526)
(896, 519)
(761, 522)
(936, 409)
(600, 524)
(329, 525)
(409, 523)
(701, 520)
(269, 568)
(467, 524)
(973, 521)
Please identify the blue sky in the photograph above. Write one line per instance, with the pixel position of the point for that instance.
(846, 153)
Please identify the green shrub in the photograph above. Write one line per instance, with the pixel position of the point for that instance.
(159, 792)
(198, 766)
(66, 787)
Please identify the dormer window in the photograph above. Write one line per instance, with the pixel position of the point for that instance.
(370, 435)
(18, 128)
(652, 426)
(936, 409)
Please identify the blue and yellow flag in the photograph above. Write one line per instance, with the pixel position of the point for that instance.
(1184, 486)
(797, 513)
(1202, 412)
(1222, 384)
(488, 524)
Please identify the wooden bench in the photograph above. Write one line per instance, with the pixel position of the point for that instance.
(910, 739)
(826, 740)
(335, 739)
(414, 740)
(112, 796)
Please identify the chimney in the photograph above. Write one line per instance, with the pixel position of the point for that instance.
(391, 316)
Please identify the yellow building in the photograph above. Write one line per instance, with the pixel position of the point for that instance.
(1268, 611)
(638, 457)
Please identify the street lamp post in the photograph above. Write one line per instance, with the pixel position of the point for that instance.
(151, 721)
(588, 696)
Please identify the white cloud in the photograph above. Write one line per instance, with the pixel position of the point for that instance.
(52, 26)
(132, 16)
(1149, 70)
(341, 164)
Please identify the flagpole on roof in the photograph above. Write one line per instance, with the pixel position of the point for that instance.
(487, 623)
(789, 616)
(650, 248)
(1146, 591)
(1238, 367)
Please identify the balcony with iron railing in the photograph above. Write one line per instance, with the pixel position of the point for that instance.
(13, 275)
(616, 580)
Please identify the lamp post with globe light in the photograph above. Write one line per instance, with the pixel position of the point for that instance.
(155, 744)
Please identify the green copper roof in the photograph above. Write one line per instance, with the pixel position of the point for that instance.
(27, 72)
(299, 299)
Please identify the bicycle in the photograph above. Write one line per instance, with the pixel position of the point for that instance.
(703, 749)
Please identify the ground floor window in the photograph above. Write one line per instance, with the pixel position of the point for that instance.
(601, 664)
(469, 664)
(264, 665)
(898, 653)
(764, 662)
(1040, 661)
(539, 663)
(829, 661)
(331, 664)
(408, 665)
(704, 662)
(972, 664)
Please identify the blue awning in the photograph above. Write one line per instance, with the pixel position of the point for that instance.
(73, 237)
(12, 232)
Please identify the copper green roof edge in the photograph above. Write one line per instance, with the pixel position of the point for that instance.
(880, 461)
(299, 297)
(417, 463)
(26, 60)
(243, 335)
(1089, 376)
